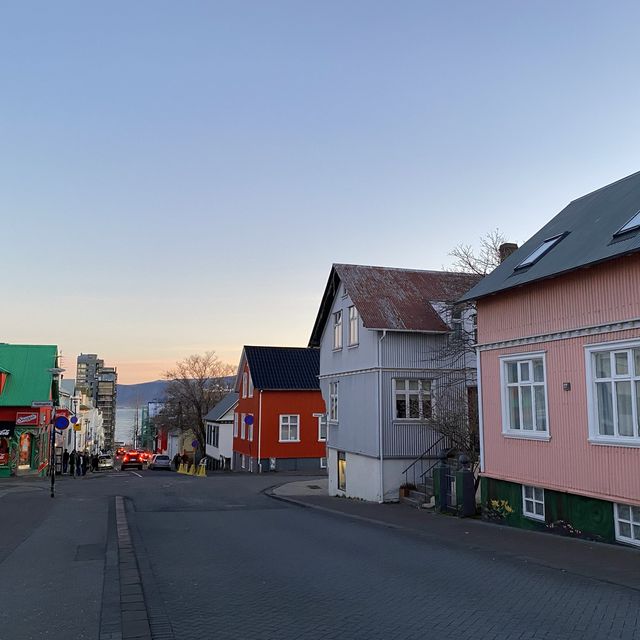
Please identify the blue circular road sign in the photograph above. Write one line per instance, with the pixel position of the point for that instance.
(248, 419)
(62, 422)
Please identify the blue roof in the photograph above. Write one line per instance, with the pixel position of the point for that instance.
(223, 407)
(284, 368)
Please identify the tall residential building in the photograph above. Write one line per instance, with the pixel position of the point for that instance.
(101, 384)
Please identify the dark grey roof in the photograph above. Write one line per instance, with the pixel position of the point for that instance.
(223, 407)
(393, 299)
(276, 368)
(590, 223)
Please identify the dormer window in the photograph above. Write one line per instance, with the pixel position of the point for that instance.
(632, 225)
(542, 249)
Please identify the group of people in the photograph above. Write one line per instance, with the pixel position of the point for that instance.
(77, 463)
(180, 459)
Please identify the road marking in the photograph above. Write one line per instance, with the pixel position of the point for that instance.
(136, 474)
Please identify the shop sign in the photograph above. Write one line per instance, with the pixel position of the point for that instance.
(26, 418)
(6, 429)
(4, 459)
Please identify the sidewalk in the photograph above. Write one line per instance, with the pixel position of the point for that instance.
(610, 563)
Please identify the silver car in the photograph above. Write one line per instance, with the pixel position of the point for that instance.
(105, 462)
(160, 461)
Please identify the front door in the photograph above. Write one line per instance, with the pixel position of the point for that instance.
(25, 451)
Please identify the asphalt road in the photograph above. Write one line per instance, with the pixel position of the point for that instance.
(219, 559)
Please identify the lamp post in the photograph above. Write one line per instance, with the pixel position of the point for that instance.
(56, 372)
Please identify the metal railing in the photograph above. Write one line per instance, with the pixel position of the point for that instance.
(416, 470)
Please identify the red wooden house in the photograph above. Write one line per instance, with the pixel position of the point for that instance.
(279, 421)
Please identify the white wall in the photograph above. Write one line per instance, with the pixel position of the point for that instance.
(362, 476)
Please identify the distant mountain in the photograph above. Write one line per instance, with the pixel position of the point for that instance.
(130, 395)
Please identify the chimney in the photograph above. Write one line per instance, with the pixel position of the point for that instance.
(506, 249)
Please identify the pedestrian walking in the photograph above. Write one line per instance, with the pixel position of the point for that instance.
(79, 457)
(84, 463)
(73, 458)
(94, 462)
(176, 461)
(65, 461)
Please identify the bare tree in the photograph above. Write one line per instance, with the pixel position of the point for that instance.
(482, 261)
(196, 385)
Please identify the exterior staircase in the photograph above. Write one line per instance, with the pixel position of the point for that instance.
(422, 497)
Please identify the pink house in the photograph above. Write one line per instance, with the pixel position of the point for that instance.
(559, 370)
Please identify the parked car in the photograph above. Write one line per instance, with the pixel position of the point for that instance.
(105, 462)
(160, 461)
(131, 459)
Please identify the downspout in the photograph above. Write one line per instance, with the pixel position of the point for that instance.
(384, 333)
(480, 417)
(259, 431)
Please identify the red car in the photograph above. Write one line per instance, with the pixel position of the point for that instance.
(131, 459)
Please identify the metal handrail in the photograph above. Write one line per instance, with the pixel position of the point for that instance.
(420, 459)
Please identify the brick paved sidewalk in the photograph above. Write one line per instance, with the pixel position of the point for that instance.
(610, 563)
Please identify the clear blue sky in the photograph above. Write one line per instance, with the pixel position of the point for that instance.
(179, 176)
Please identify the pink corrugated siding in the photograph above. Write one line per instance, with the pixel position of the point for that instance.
(606, 293)
(568, 462)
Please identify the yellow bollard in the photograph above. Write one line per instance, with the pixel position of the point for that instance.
(192, 470)
(181, 468)
(202, 471)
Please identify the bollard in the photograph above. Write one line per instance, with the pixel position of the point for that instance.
(440, 482)
(465, 488)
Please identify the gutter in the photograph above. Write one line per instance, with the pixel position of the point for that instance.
(384, 333)
(480, 416)
(259, 431)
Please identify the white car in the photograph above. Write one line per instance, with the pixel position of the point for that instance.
(105, 462)
(160, 461)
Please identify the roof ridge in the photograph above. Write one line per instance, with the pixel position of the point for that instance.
(266, 346)
(434, 271)
(606, 186)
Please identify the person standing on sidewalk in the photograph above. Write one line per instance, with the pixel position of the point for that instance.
(176, 461)
(72, 463)
(65, 461)
(79, 463)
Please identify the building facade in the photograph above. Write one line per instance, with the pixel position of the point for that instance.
(25, 378)
(384, 340)
(279, 420)
(219, 432)
(559, 361)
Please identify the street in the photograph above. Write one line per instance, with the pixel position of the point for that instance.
(167, 556)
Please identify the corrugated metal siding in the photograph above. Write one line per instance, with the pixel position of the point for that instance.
(568, 462)
(600, 295)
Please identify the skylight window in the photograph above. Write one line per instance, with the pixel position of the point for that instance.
(548, 244)
(632, 225)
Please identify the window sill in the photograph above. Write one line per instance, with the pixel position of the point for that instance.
(531, 516)
(288, 441)
(529, 435)
(337, 349)
(629, 541)
(615, 442)
(353, 346)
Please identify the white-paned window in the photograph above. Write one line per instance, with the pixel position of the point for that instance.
(337, 330)
(322, 426)
(242, 461)
(333, 401)
(412, 399)
(627, 520)
(215, 435)
(613, 383)
(524, 396)
(250, 432)
(353, 326)
(323, 463)
(244, 384)
(235, 425)
(250, 386)
(243, 426)
(290, 428)
(533, 502)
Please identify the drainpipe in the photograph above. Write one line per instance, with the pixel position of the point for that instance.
(384, 333)
(480, 417)
(259, 431)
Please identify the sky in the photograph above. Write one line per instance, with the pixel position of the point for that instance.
(177, 177)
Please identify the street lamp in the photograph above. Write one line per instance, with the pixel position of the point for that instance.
(56, 372)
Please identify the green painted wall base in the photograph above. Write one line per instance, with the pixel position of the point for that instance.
(565, 513)
(5, 472)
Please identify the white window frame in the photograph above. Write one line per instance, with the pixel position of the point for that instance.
(406, 392)
(250, 385)
(322, 425)
(323, 463)
(281, 421)
(631, 521)
(354, 318)
(244, 384)
(250, 432)
(595, 437)
(334, 394)
(532, 498)
(215, 435)
(242, 461)
(337, 330)
(526, 434)
(235, 425)
(243, 426)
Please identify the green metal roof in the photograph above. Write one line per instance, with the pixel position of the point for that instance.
(29, 378)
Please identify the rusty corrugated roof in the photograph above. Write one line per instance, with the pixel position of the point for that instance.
(394, 299)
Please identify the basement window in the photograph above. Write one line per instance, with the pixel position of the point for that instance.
(546, 246)
(632, 225)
